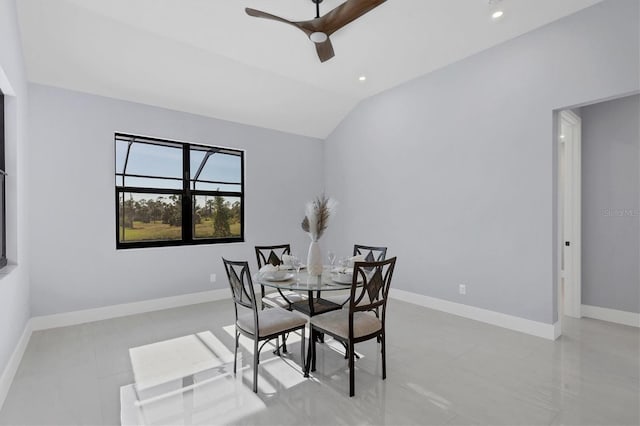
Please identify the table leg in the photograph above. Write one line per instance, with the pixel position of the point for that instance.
(313, 358)
(310, 350)
(307, 363)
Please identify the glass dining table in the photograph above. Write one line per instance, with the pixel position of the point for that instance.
(314, 304)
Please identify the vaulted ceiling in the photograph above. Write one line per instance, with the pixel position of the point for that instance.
(208, 57)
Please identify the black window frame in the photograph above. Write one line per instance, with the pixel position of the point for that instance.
(3, 188)
(187, 193)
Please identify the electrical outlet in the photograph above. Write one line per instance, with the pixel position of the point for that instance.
(462, 289)
(212, 278)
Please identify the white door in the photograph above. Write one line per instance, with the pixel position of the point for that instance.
(570, 175)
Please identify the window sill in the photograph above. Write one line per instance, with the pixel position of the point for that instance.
(8, 270)
(209, 245)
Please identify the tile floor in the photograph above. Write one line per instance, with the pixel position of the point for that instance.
(442, 369)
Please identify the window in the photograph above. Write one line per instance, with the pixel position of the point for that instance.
(3, 175)
(172, 193)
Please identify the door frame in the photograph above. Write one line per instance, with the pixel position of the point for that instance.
(570, 212)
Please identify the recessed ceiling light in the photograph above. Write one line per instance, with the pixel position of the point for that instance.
(362, 78)
(497, 15)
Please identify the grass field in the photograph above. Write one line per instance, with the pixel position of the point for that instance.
(161, 231)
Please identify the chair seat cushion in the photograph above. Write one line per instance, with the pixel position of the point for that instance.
(337, 323)
(275, 299)
(271, 321)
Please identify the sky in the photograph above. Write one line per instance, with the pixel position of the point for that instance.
(166, 161)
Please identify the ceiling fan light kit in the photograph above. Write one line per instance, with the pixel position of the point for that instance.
(320, 28)
(318, 37)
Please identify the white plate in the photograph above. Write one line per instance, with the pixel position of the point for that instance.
(283, 278)
(290, 268)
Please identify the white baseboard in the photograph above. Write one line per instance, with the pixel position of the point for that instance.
(611, 315)
(535, 328)
(557, 329)
(14, 362)
(116, 311)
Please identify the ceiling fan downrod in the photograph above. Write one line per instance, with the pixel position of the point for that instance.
(318, 36)
(317, 2)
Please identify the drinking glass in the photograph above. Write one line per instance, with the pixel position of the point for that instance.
(332, 258)
(295, 262)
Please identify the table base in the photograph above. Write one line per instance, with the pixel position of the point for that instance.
(316, 306)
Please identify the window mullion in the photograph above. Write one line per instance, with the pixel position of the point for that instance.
(187, 209)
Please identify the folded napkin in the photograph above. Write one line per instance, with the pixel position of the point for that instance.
(268, 268)
(286, 259)
(358, 258)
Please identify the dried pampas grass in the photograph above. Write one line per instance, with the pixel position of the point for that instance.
(317, 216)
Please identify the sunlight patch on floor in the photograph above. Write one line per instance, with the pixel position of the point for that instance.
(221, 401)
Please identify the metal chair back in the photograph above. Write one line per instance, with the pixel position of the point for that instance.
(370, 287)
(241, 286)
(370, 253)
(271, 254)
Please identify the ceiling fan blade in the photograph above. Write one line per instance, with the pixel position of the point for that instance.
(347, 12)
(325, 50)
(260, 14)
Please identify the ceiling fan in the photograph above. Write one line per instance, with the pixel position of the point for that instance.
(319, 29)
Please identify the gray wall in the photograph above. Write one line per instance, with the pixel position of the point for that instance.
(75, 262)
(455, 171)
(610, 208)
(14, 280)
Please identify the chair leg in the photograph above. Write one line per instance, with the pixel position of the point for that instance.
(384, 360)
(304, 369)
(256, 355)
(314, 335)
(277, 350)
(235, 353)
(351, 369)
(307, 364)
(346, 351)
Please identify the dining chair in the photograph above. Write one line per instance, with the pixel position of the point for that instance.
(370, 253)
(358, 323)
(273, 255)
(258, 325)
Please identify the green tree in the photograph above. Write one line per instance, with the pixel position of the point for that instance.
(127, 212)
(209, 206)
(235, 212)
(197, 214)
(222, 214)
(142, 211)
(172, 212)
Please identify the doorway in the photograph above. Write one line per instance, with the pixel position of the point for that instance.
(569, 211)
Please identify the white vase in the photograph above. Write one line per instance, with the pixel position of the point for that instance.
(314, 259)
